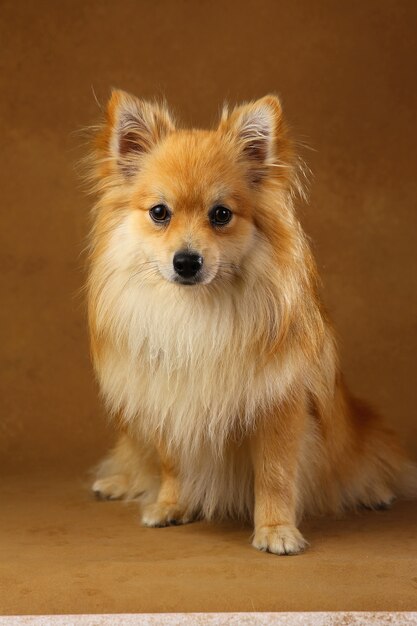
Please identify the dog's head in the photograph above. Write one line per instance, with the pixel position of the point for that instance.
(192, 205)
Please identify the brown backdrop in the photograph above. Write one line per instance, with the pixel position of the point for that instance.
(346, 72)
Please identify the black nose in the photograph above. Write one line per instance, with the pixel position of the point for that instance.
(187, 264)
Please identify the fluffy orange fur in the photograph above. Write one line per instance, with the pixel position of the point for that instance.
(228, 391)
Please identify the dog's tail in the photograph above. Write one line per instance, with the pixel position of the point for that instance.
(407, 481)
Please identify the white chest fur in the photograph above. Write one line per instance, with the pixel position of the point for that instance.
(182, 361)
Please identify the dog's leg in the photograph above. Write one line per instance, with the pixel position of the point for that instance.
(275, 448)
(130, 471)
(166, 511)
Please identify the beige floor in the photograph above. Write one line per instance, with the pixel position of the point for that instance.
(311, 618)
(63, 552)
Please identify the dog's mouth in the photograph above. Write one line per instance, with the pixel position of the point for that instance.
(187, 281)
(201, 278)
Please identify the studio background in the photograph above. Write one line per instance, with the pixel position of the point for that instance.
(346, 74)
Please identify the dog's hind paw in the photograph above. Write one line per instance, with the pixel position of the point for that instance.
(110, 488)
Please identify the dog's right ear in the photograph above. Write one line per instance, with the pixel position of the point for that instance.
(258, 131)
(132, 129)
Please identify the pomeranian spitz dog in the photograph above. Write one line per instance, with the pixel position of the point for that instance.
(210, 342)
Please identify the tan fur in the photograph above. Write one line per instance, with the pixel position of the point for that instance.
(131, 471)
(231, 385)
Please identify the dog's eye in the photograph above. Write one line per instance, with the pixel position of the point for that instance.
(220, 215)
(160, 213)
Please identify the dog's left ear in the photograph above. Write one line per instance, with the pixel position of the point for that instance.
(255, 128)
(133, 128)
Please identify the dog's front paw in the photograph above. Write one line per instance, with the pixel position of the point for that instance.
(279, 539)
(161, 514)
